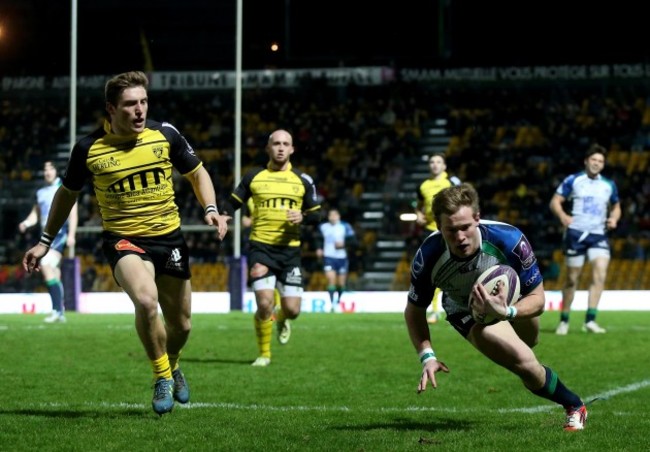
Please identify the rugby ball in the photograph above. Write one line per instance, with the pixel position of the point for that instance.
(491, 279)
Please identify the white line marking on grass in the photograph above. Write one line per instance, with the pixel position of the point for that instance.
(604, 395)
(622, 390)
(254, 407)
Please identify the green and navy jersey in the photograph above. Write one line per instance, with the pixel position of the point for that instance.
(273, 193)
(132, 176)
(435, 267)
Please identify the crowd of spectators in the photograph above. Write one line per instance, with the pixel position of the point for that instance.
(515, 142)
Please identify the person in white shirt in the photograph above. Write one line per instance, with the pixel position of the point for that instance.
(595, 210)
(336, 236)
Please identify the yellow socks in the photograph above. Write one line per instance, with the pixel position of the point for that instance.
(263, 331)
(161, 368)
(173, 360)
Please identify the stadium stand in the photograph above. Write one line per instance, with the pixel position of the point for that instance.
(363, 145)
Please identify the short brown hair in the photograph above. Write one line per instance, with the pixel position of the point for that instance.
(120, 82)
(449, 200)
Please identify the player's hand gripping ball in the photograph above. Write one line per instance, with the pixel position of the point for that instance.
(491, 279)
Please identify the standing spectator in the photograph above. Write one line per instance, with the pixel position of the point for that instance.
(283, 198)
(51, 263)
(595, 210)
(453, 260)
(335, 236)
(130, 161)
(428, 190)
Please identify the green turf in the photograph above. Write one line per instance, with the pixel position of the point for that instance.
(344, 383)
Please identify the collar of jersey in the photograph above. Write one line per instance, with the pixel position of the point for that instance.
(288, 168)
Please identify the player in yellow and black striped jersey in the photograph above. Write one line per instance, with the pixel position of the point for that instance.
(428, 190)
(130, 161)
(283, 199)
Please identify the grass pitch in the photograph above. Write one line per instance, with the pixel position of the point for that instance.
(345, 382)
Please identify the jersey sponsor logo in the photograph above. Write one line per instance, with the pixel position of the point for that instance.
(532, 279)
(465, 319)
(139, 180)
(294, 277)
(102, 164)
(278, 203)
(125, 245)
(524, 252)
(418, 263)
(174, 260)
(412, 293)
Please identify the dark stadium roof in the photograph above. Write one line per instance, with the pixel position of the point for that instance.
(200, 34)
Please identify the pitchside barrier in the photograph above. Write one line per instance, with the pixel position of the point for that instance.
(312, 302)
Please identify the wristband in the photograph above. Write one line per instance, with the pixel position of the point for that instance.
(209, 208)
(46, 239)
(426, 355)
(511, 313)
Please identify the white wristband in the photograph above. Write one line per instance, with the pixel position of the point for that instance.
(210, 208)
(426, 355)
(511, 313)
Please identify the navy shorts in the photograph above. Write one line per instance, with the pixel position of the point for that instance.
(337, 265)
(576, 243)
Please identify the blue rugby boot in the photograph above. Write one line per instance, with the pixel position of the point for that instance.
(163, 400)
(181, 388)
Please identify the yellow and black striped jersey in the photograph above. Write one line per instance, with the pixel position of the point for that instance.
(273, 193)
(132, 176)
(428, 190)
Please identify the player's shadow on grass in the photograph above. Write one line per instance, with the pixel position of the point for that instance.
(217, 360)
(77, 414)
(408, 424)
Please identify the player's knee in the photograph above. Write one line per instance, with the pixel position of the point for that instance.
(291, 312)
(570, 283)
(145, 301)
(179, 326)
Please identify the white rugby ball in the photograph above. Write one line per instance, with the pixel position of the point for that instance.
(491, 278)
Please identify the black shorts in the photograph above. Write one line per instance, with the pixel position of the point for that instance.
(283, 261)
(462, 322)
(168, 253)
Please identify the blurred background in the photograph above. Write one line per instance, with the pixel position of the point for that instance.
(513, 93)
